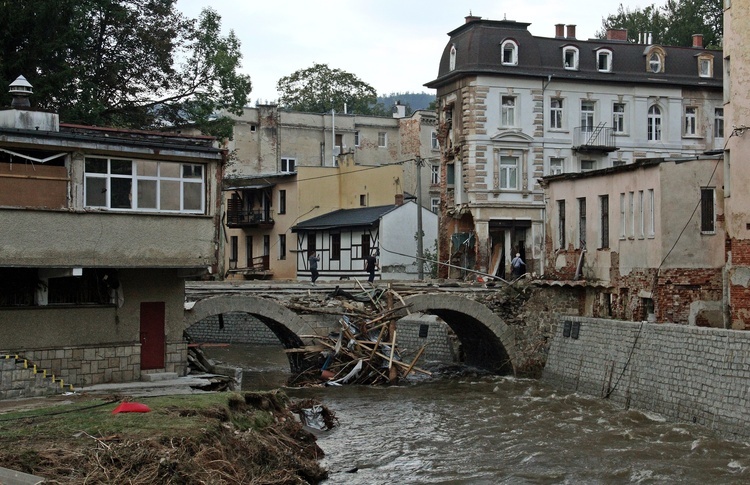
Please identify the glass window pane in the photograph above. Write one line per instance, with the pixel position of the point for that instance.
(169, 197)
(147, 194)
(96, 165)
(120, 193)
(193, 199)
(96, 191)
(169, 169)
(192, 171)
(121, 167)
(147, 169)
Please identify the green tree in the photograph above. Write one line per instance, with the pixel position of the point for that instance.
(126, 63)
(673, 24)
(319, 89)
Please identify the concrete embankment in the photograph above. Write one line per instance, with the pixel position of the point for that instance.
(685, 373)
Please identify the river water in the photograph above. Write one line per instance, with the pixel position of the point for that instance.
(497, 430)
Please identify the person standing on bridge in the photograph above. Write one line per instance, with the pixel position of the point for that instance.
(313, 262)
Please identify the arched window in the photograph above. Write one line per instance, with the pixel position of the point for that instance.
(452, 65)
(654, 123)
(510, 53)
(570, 58)
(655, 59)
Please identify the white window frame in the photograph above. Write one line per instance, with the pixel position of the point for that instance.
(434, 174)
(655, 62)
(435, 204)
(571, 51)
(691, 121)
(509, 172)
(508, 111)
(705, 67)
(619, 118)
(653, 125)
(556, 114)
(588, 165)
(434, 144)
(356, 138)
(588, 116)
(511, 46)
(382, 139)
(556, 166)
(718, 122)
(288, 165)
(186, 183)
(607, 54)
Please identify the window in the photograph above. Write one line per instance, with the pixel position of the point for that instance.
(570, 58)
(249, 251)
(705, 66)
(282, 246)
(266, 245)
(435, 204)
(587, 165)
(253, 128)
(144, 185)
(561, 224)
(655, 62)
(288, 165)
(719, 123)
(382, 139)
(618, 117)
(434, 174)
(631, 213)
(604, 60)
(508, 111)
(508, 172)
(622, 216)
(365, 243)
(510, 53)
(363, 200)
(604, 208)
(619, 163)
(452, 61)
(691, 120)
(654, 123)
(587, 116)
(335, 247)
(434, 140)
(582, 222)
(641, 218)
(556, 114)
(356, 138)
(282, 201)
(233, 251)
(556, 166)
(651, 217)
(708, 213)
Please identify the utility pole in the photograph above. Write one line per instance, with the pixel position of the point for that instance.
(420, 234)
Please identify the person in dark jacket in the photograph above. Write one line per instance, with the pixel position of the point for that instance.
(371, 266)
(313, 262)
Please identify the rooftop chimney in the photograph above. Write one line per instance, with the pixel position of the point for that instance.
(571, 32)
(399, 110)
(471, 18)
(559, 31)
(617, 34)
(399, 200)
(21, 90)
(698, 41)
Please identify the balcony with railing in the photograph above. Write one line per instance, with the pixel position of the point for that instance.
(594, 139)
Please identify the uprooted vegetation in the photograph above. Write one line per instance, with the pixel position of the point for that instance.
(248, 438)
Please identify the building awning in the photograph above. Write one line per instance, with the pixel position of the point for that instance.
(509, 224)
(248, 187)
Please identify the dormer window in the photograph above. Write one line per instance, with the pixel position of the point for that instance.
(705, 65)
(570, 58)
(452, 65)
(510, 53)
(655, 57)
(604, 60)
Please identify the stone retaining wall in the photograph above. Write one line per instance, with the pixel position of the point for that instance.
(685, 373)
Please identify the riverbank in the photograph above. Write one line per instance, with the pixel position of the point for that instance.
(250, 437)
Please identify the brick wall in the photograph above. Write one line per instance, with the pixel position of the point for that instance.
(685, 373)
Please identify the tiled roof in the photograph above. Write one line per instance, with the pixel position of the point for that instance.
(364, 217)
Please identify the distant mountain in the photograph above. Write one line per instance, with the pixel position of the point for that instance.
(412, 101)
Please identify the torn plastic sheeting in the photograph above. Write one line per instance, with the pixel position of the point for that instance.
(349, 376)
(313, 417)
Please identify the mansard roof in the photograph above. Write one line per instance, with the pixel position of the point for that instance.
(478, 52)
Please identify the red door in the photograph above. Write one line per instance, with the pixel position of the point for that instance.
(152, 335)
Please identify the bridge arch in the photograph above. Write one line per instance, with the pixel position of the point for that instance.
(488, 342)
(284, 323)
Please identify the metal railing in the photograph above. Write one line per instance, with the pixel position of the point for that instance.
(594, 137)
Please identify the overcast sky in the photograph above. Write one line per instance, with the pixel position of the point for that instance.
(395, 46)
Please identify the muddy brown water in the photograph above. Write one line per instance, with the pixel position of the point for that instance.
(477, 429)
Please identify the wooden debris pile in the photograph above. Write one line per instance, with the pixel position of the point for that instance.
(364, 351)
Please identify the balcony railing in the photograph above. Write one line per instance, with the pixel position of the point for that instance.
(238, 218)
(594, 139)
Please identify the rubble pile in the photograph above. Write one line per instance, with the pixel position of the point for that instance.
(363, 351)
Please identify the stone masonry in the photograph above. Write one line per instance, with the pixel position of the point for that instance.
(686, 373)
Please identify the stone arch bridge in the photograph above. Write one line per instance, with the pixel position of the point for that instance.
(487, 341)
